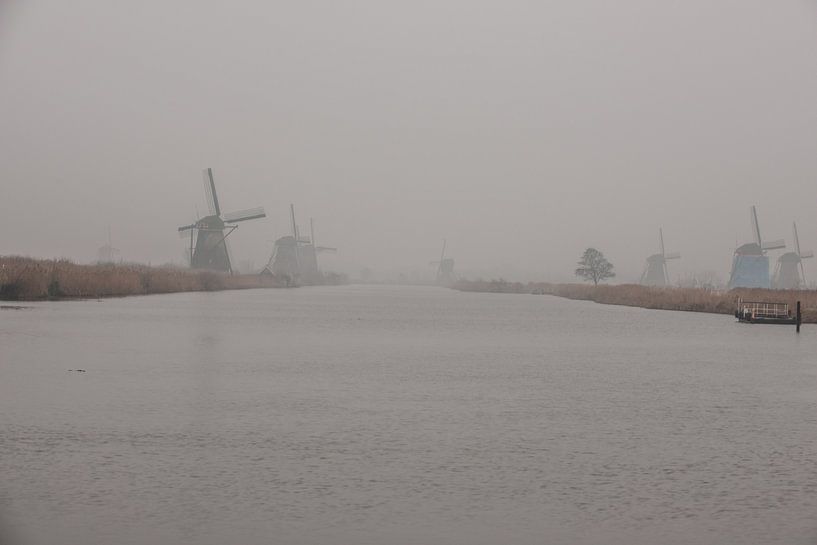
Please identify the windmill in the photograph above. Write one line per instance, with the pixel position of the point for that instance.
(305, 252)
(209, 251)
(318, 249)
(750, 264)
(291, 256)
(790, 273)
(107, 253)
(445, 268)
(655, 271)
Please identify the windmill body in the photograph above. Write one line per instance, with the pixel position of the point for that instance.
(790, 273)
(750, 264)
(208, 235)
(750, 268)
(210, 251)
(445, 274)
(284, 259)
(655, 271)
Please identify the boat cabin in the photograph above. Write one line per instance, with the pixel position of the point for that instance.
(763, 312)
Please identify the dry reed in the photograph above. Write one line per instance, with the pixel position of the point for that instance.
(23, 278)
(686, 299)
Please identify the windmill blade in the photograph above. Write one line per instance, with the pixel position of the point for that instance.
(755, 226)
(229, 255)
(672, 255)
(773, 245)
(292, 219)
(210, 192)
(661, 239)
(807, 254)
(318, 249)
(796, 238)
(245, 215)
(187, 227)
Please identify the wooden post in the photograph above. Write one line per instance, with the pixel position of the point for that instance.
(799, 317)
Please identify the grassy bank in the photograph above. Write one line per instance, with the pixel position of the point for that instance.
(26, 279)
(687, 299)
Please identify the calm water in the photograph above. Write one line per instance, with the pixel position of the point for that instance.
(402, 415)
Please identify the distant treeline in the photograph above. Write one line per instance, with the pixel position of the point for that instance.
(26, 279)
(633, 295)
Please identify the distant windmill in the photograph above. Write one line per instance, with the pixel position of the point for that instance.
(107, 253)
(655, 271)
(790, 273)
(305, 252)
(210, 249)
(445, 268)
(316, 248)
(294, 256)
(750, 265)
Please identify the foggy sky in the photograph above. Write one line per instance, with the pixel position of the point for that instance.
(521, 131)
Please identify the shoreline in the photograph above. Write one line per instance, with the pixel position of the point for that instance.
(28, 279)
(653, 298)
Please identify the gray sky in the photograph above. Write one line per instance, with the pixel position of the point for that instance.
(521, 131)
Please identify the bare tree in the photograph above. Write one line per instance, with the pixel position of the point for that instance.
(594, 267)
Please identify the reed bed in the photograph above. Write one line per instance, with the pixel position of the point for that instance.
(686, 299)
(27, 279)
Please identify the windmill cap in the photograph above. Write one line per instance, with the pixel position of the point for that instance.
(750, 248)
(791, 257)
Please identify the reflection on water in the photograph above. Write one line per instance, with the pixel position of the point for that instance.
(402, 415)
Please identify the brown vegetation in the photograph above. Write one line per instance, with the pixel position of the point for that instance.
(687, 299)
(23, 278)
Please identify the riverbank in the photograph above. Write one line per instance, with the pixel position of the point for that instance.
(27, 279)
(684, 299)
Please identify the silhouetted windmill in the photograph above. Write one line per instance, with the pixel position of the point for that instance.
(445, 268)
(210, 250)
(107, 253)
(790, 273)
(750, 265)
(318, 249)
(655, 271)
(288, 260)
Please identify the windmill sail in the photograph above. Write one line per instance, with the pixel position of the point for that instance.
(210, 192)
(318, 249)
(773, 244)
(245, 215)
(755, 226)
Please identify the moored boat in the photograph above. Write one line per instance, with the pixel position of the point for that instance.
(764, 312)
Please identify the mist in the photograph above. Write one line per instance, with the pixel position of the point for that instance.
(520, 132)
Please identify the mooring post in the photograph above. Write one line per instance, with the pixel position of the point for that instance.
(799, 317)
